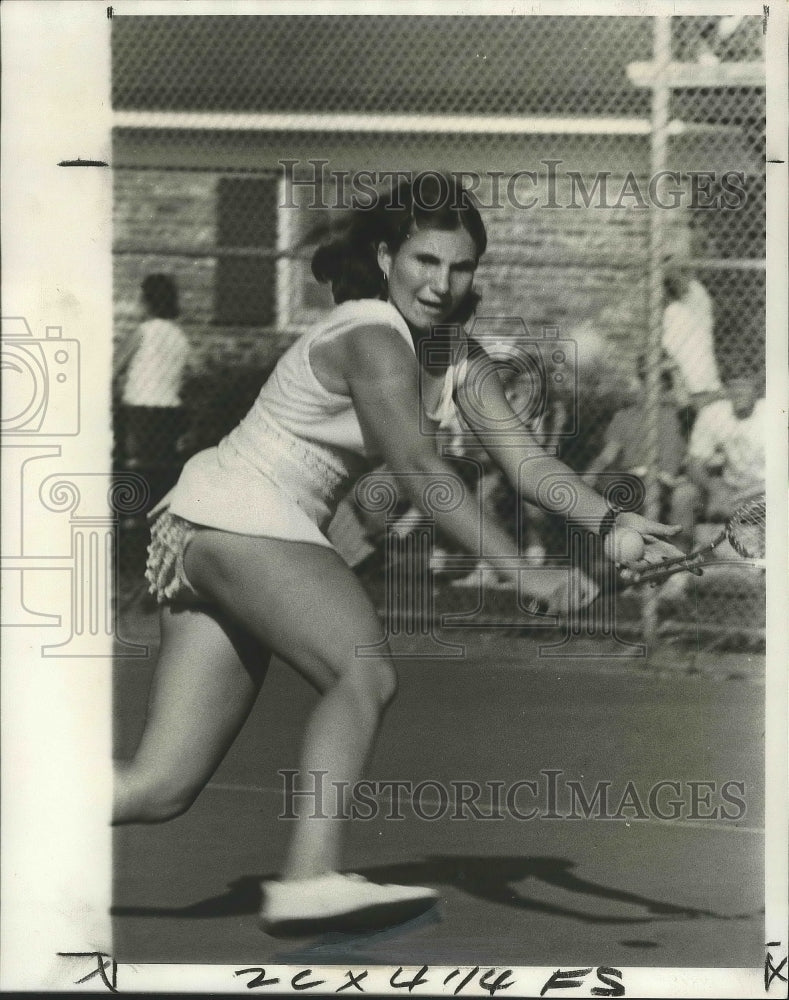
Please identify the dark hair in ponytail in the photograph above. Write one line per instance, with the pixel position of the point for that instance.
(348, 259)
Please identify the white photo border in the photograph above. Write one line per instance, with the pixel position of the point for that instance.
(56, 716)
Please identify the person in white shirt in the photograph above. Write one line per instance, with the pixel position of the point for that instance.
(726, 453)
(152, 366)
(687, 337)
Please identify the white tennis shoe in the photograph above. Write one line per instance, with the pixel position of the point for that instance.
(338, 901)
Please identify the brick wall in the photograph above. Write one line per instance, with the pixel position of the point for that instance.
(175, 211)
(559, 266)
(573, 266)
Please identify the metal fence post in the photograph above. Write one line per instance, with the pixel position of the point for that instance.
(658, 143)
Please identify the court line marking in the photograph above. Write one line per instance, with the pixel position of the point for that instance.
(686, 824)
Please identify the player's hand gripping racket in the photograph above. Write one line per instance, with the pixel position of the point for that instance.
(745, 532)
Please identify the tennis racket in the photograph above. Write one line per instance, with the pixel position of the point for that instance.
(744, 530)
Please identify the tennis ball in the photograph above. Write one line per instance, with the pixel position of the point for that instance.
(624, 546)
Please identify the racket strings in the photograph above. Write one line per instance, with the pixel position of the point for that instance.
(746, 529)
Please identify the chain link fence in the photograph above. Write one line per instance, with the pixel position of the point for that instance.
(621, 176)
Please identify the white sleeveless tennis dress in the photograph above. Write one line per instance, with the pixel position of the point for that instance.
(282, 471)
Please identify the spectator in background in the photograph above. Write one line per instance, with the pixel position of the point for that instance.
(151, 367)
(688, 340)
(726, 452)
(601, 388)
(516, 515)
(545, 428)
(624, 450)
(358, 534)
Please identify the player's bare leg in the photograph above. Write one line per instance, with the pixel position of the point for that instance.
(301, 601)
(207, 677)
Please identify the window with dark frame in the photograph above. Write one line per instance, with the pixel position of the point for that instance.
(245, 289)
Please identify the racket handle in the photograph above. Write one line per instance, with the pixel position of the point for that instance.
(657, 572)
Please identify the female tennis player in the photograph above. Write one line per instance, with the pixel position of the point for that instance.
(242, 567)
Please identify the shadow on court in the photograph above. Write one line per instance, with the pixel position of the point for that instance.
(491, 878)
(522, 893)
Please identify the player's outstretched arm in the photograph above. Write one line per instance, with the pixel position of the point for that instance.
(383, 381)
(382, 377)
(519, 452)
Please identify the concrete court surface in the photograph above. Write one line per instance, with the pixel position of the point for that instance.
(628, 891)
